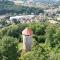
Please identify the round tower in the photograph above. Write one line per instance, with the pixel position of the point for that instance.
(27, 39)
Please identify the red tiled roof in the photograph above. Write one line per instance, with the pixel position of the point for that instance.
(27, 31)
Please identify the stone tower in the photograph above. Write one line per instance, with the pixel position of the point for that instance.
(27, 39)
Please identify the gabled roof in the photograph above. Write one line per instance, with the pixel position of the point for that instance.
(27, 32)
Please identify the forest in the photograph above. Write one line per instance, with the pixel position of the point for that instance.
(46, 42)
(10, 7)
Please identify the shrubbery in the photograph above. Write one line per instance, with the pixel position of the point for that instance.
(46, 42)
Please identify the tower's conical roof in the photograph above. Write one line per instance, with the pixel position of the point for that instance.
(27, 31)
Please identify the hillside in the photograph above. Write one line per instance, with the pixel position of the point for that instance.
(10, 7)
(43, 1)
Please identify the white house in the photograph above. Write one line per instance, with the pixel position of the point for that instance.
(52, 21)
(51, 11)
(23, 18)
(18, 2)
(58, 18)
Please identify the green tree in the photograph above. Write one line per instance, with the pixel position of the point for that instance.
(50, 31)
(57, 38)
(38, 53)
(38, 28)
(8, 48)
(13, 31)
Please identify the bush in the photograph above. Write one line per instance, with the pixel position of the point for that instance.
(41, 39)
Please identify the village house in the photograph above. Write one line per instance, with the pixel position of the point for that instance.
(40, 18)
(51, 11)
(2, 16)
(1, 25)
(58, 17)
(23, 18)
(58, 8)
(30, 2)
(18, 2)
(52, 21)
(50, 18)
